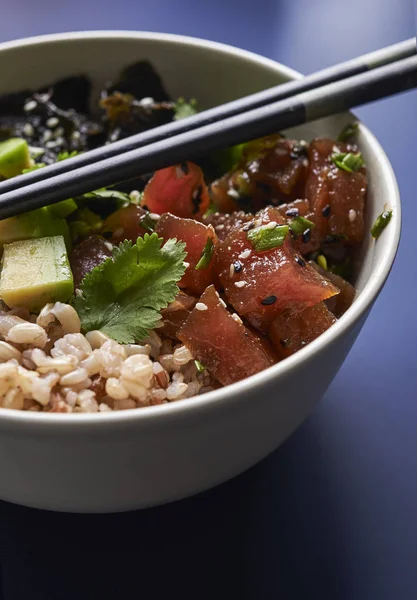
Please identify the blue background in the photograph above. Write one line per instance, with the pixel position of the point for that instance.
(333, 512)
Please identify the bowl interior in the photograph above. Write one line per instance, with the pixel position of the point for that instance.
(213, 73)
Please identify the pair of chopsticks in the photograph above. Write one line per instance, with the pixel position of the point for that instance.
(333, 90)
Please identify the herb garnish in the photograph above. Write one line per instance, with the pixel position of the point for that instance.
(264, 238)
(348, 132)
(66, 154)
(322, 261)
(348, 161)
(300, 224)
(206, 255)
(380, 223)
(123, 296)
(200, 366)
(185, 109)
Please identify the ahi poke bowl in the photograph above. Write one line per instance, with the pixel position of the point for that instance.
(176, 327)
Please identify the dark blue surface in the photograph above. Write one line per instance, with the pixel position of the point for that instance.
(331, 514)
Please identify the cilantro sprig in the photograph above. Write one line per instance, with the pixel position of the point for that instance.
(123, 296)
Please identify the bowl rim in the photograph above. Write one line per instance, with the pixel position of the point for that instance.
(231, 393)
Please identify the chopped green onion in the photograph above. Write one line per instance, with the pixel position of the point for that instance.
(200, 366)
(300, 224)
(348, 161)
(380, 223)
(206, 255)
(264, 238)
(321, 261)
(147, 223)
(348, 132)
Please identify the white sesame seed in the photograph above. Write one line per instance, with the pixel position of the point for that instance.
(76, 135)
(154, 216)
(186, 264)
(201, 306)
(271, 225)
(352, 215)
(28, 130)
(47, 135)
(236, 317)
(109, 246)
(220, 227)
(52, 122)
(146, 102)
(216, 214)
(231, 270)
(134, 195)
(240, 284)
(245, 254)
(59, 132)
(51, 144)
(31, 105)
(59, 141)
(233, 193)
(229, 248)
(222, 302)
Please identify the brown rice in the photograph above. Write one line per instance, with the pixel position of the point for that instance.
(47, 364)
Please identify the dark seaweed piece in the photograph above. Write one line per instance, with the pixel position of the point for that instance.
(44, 125)
(70, 93)
(141, 81)
(125, 115)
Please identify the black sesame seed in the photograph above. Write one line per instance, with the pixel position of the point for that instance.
(292, 212)
(326, 211)
(269, 300)
(299, 150)
(248, 226)
(300, 261)
(185, 168)
(238, 266)
(306, 235)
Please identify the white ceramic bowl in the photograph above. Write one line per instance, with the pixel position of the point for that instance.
(137, 458)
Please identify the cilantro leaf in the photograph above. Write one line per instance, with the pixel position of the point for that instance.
(123, 296)
(185, 109)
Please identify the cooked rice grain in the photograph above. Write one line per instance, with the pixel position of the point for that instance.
(47, 365)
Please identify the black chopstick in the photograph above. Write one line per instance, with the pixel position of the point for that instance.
(317, 103)
(362, 64)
